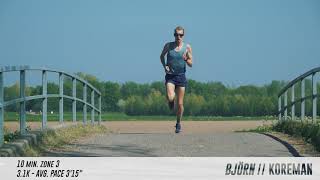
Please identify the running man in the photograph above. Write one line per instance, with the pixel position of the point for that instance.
(178, 54)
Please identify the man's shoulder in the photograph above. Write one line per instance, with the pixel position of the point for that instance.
(169, 43)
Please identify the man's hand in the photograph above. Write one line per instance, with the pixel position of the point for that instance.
(184, 56)
(168, 70)
(187, 56)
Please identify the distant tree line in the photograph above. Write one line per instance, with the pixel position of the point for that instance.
(202, 98)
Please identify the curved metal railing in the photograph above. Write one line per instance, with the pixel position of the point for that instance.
(23, 99)
(284, 93)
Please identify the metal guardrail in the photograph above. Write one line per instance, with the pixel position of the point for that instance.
(23, 99)
(284, 93)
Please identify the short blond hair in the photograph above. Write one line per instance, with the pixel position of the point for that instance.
(178, 28)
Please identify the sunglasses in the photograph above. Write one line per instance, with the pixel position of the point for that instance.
(176, 34)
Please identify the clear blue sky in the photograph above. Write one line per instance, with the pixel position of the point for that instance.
(237, 42)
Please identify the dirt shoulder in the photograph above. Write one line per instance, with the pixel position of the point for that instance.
(303, 148)
(189, 127)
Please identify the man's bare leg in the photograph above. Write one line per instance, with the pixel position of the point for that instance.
(170, 94)
(180, 94)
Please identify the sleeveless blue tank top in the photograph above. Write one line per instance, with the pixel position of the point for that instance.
(175, 59)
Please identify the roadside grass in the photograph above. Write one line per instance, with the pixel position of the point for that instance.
(264, 128)
(310, 132)
(59, 137)
(53, 139)
(9, 136)
(307, 131)
(116, 116)
(259, 129)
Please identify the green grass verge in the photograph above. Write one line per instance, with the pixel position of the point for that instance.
(310, 132)
(9, 136)
(52, 139)
(115, 116)
(260, 129)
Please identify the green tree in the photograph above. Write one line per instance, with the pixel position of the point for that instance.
(91, 79)
(156, 104)
(159, 86)
(110, 96)
(129, 89)
(135, 106)
(193, 104)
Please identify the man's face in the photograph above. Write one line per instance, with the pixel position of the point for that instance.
(179, 35)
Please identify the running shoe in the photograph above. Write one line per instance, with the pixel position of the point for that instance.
(178, 127)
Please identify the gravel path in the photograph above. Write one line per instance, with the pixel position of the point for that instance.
(157, 138)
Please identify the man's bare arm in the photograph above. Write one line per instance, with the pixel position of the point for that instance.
(188, 57)
(163, 53)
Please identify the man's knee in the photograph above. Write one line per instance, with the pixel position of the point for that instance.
(170, 97)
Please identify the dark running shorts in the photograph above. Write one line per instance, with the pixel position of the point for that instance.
(178, 80)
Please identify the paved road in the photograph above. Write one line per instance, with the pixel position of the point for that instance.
(126, 141)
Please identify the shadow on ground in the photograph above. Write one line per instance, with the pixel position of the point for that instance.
(290, 148)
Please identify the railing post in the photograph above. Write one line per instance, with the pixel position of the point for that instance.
(286, 105)
(100, 109)
(22, 103)
(293, 116)
(302, 99)
(279, 107)
(92, 109)
(1, 110)
(45, 99)
(314, 98)
(85, 103)
(61, 98)
(74, 101)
